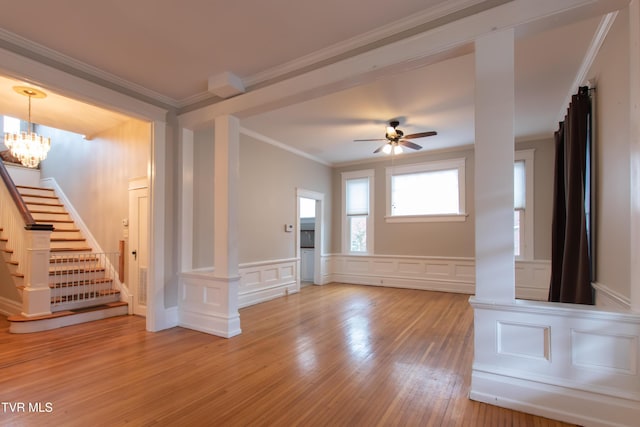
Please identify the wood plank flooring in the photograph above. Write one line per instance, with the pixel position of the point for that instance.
(336, 355)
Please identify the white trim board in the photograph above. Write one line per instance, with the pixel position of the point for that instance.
(445, 274)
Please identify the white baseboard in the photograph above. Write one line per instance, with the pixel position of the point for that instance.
(580, 407)
(9, 307)
(209, 323)
(445, 274)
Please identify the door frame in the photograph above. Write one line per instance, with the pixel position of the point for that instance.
(318, 271)
(138, 184)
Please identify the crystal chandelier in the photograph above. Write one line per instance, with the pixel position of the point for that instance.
(29, 147)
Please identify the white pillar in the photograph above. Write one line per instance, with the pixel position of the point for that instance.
(36, 295)
(494, 157)
(634, 151)
(186, 200)
(225, 223)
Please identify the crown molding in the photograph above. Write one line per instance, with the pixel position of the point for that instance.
(282, 146)
(359, 41)
(354, 43)
(592, 52)
(30, 49)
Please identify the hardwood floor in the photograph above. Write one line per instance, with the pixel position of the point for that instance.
(336, 355)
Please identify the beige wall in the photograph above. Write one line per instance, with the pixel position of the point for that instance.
(449, 239)
(611, 73)
(95, 174)
(269, 178)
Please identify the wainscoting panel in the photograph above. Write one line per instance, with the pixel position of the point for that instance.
(445, 274)
(265, 280)
(573, 363)
(208, 304)
(428, 273)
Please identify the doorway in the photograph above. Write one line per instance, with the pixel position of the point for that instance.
(309, 237)
(138, 244)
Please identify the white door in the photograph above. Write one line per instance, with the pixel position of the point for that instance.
(138, 248)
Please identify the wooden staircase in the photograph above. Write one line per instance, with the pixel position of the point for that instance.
(81, 288)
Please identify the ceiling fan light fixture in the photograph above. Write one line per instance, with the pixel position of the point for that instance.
(397, 149)
(29, 147)
(391, 132)
(387, 148)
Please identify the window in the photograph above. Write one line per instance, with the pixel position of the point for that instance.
(523, 204)
(432, 191)
(357, 221)
(11, 125)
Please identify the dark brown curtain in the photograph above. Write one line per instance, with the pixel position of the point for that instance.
(570, 255)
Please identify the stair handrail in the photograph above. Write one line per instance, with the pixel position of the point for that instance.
(29, 222)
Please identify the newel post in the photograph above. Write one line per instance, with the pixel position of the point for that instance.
(36, 296)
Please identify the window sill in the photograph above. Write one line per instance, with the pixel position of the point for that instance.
(427, 218)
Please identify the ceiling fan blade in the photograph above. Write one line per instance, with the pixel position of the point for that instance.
(409, 144)
(379, 149)
(364, 140)
(420, 134)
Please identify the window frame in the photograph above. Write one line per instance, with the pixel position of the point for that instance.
(527, 226)
(346, 243)
(458, 164)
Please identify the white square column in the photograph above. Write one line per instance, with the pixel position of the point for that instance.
(225, 224)
(494, 157)
(634, 151)
(225, 190)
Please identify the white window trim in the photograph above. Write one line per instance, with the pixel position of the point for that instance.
(368, 173)
(428, 167)
(526, 252)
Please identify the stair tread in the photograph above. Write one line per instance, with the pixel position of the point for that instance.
(34, 188)
(21, 318)
(66, 230)
(48, 212)
(46, 221)
(53, 205)
(83, 249)
(40, 196)
(68, 239)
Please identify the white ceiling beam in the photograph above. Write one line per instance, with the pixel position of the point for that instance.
(410, 53)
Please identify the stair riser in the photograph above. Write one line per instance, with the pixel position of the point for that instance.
(74, 278)
(79, 290)
(63, 225)
(72, 305)
(69, 244)
(47, 208)
(36, 191)
(66, 235)
(43, 217)
(36, 199)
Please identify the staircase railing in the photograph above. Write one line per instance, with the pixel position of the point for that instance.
(81, 278)
(29, 243)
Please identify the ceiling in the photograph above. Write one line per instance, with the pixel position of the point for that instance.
(164, 51)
